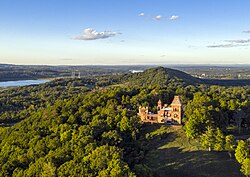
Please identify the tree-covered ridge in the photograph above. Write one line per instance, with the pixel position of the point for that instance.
(25, 100)
(159, 77)
(88, 135)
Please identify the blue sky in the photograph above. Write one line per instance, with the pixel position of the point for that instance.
(125, 32)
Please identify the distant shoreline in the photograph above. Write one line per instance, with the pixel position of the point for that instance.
(17, 83)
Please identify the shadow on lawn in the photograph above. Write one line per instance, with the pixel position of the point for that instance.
(174, 162)
(178, 162)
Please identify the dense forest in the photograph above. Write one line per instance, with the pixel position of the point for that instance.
(90, 127)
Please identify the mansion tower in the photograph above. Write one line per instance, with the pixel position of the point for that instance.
(171, 114)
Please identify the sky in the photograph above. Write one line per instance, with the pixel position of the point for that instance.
(80, 32)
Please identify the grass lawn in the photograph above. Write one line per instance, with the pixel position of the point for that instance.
(175, 156)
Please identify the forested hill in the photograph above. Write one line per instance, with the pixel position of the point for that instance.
(93, 134)
(159, 76)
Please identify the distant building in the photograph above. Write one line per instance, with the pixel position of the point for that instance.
(171, 114)
(136, 71)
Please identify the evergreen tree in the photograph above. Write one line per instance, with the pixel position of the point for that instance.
(219, 140)
(207, 138)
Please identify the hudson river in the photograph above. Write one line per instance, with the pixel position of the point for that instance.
(22, 83)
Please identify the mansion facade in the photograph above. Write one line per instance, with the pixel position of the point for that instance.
(171, 114)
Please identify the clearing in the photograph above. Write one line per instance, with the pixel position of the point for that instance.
(172, 155)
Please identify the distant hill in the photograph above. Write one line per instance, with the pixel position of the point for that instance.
(160, 76)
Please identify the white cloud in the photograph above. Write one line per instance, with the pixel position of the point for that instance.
(91, 34)
(158, 17)
(173, 17)
(141, 14)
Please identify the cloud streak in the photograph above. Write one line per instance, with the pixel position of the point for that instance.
(239, 41)
(227, 45)
(160, 17)
(232, 43)
(173, 17)
(91, 34)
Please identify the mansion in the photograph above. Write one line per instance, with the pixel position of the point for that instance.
(171, 114)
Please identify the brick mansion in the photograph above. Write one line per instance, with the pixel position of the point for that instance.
(171, 114)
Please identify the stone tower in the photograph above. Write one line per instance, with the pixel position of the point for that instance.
(159, 106)
(176, 109)
(143, 113)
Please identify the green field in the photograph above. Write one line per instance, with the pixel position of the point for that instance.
(174, 156)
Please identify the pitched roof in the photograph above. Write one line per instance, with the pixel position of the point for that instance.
(176, 100)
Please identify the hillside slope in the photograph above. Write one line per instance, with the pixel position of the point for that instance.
(87, 135)
(160, 76)
(170, 153)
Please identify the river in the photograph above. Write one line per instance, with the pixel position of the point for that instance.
(22, 83)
